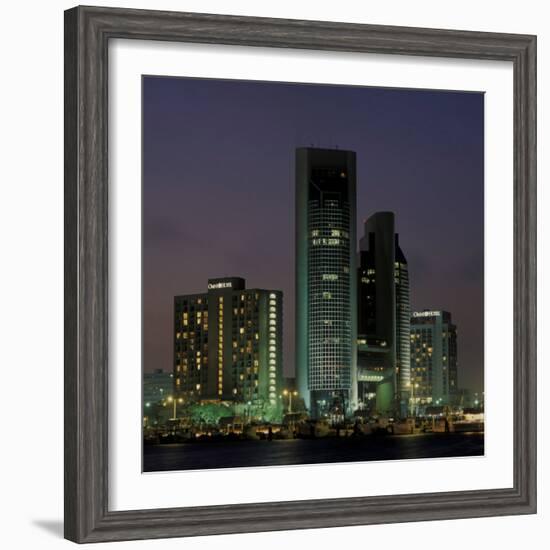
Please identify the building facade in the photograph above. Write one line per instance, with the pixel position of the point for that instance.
(157, 386)
(228, 344)
(326, 318)
(383, 318)
(434, 360)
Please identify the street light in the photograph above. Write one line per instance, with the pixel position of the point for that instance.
(249, 403)
(290, 394)
(171, 399)
(413, 403)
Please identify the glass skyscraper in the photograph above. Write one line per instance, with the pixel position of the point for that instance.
(383, 317)
(326, 315)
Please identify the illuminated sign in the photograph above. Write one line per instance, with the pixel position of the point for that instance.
(222, 284)
(426, 313)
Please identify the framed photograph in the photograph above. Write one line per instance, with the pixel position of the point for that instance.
(299, 274)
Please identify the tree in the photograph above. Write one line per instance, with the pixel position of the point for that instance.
(209, 413)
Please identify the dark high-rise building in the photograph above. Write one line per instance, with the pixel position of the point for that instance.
(325, 280)
(433, 358)
(228, 344)
(383, 317)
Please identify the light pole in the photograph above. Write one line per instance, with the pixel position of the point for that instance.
(413, 404)
(175, 402)
(290, 394)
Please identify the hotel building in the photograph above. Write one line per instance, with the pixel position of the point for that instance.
(433, 358)
(383, 318)
(326, 313)
(228, 344)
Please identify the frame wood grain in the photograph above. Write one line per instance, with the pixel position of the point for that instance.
(87, 34)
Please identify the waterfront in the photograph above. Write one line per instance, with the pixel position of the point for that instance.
(235, 454)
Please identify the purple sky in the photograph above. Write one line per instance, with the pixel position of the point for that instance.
(218, 193)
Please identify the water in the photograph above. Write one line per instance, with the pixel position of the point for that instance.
(233, 454)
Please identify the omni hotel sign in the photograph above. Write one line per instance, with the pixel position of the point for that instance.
(426, 313)
(221, 284)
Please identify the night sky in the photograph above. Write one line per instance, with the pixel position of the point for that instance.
(218, 193)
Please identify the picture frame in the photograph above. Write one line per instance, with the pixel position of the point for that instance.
(87, 34)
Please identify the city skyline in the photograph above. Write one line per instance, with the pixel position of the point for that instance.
(236, 223)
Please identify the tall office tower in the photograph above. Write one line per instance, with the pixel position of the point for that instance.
(402, 322)
(433, 358)
(326, 316)
(228, 344)
(383, 317)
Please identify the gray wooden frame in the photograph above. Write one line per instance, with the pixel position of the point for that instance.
(87, 34)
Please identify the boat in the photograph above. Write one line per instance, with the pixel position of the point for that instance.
(381, 424)
(313, 429)
(406, 426)
(468, 422)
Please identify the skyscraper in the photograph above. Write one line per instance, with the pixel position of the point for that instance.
(433, 358)
(383, 316)
(228, 344)
(326, 316)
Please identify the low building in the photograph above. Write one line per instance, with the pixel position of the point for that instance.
(228, 344)
(157, 386)
(434, 362)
